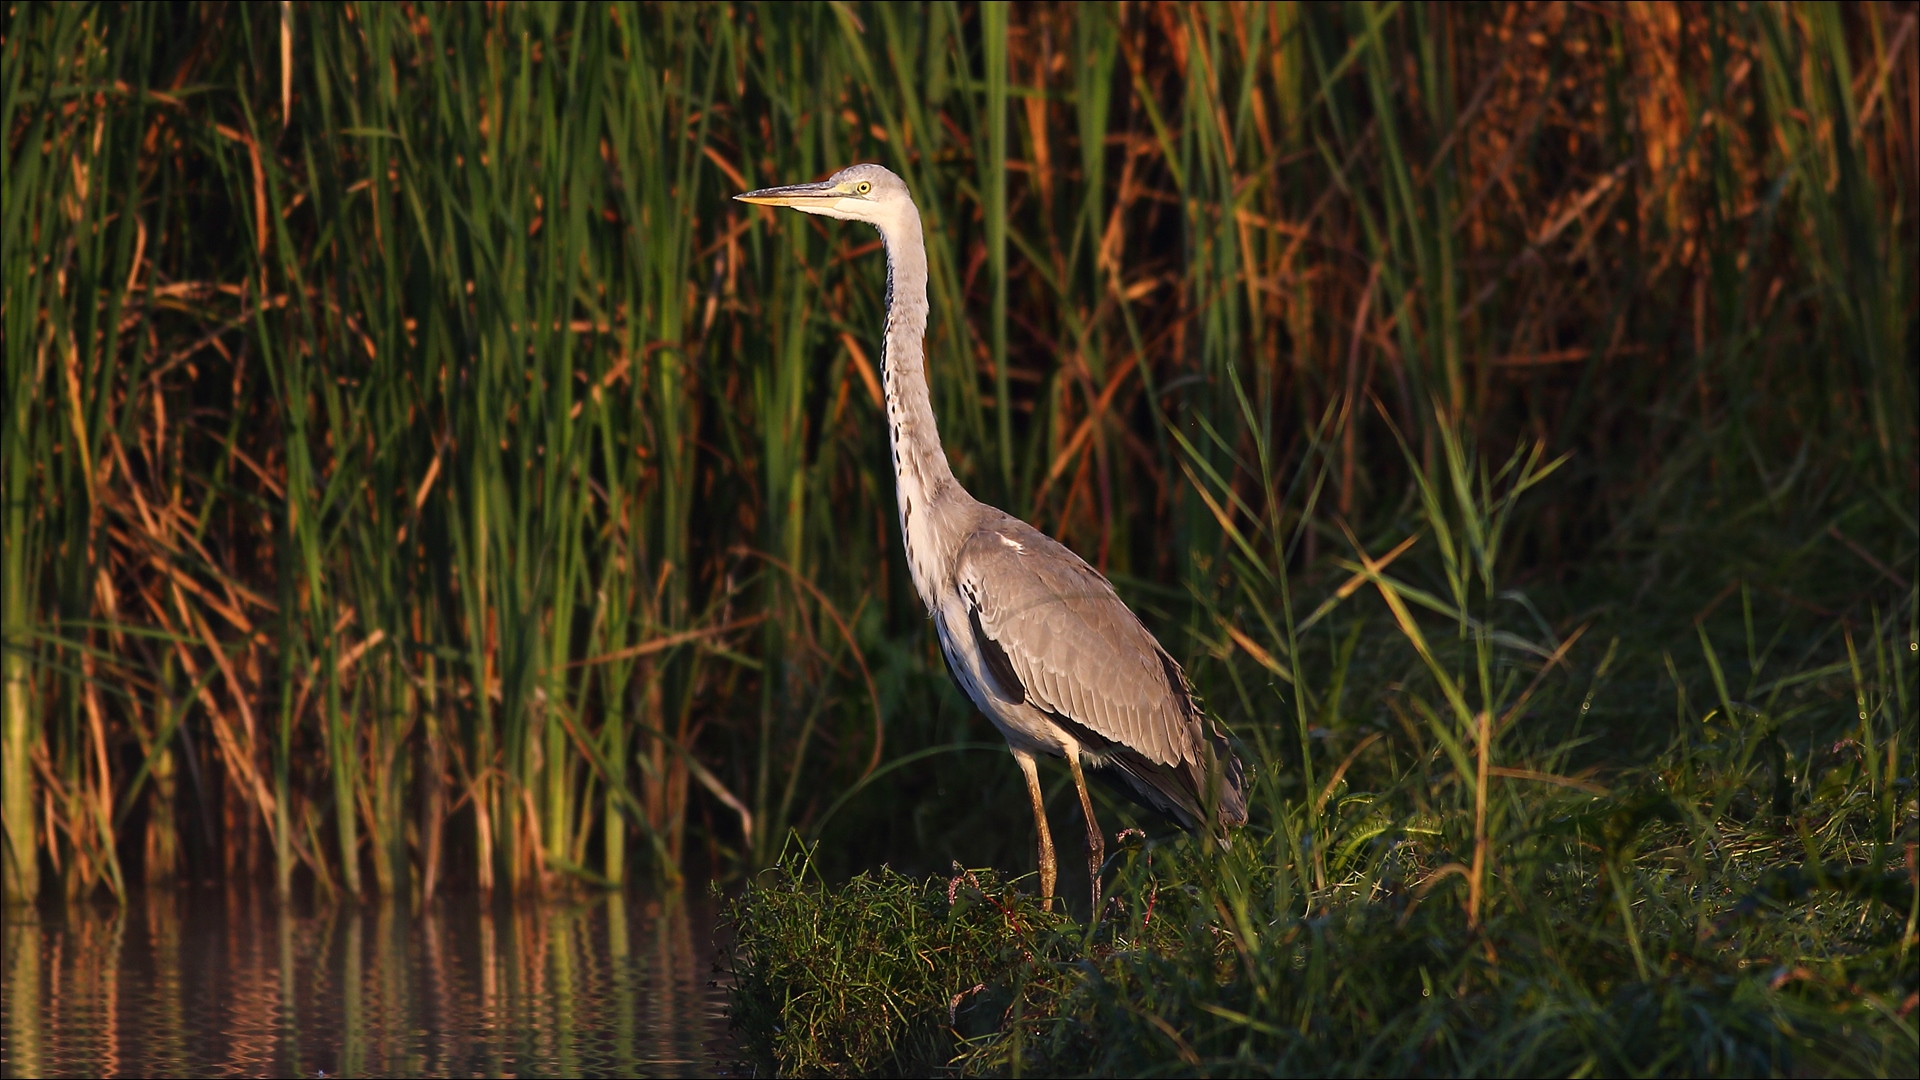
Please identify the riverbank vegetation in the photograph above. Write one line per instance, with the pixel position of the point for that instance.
(1499, 876)
(418, 474)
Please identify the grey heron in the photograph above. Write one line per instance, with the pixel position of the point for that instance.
(1036, 637)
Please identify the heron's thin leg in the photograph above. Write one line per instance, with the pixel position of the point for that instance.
(1096, 843)
(1049, 872)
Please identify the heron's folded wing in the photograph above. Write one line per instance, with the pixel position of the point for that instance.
(1050, 622)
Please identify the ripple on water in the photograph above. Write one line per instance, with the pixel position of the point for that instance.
(206, 982)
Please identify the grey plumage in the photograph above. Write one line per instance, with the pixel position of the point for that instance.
(1036, 637)
(1057, 639)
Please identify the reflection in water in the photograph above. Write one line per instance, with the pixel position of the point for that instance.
(205, 983)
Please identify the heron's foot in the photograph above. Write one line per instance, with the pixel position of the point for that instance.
(1049, 871)
(1096, 840)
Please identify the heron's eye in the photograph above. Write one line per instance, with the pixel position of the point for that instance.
(862, 188)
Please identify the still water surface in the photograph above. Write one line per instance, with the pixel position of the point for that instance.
(209, 982)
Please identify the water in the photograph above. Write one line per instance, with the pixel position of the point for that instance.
(208, 982)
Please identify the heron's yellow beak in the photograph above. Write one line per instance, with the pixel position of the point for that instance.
(799, 196)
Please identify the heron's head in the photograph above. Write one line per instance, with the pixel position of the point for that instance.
(869, 193)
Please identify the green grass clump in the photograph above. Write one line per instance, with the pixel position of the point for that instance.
(1378, 982)
(876, 976)
(1616, 947)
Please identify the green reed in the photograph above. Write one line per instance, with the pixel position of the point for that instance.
(418, 471)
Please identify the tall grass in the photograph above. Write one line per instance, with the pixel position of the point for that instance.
(418, 471)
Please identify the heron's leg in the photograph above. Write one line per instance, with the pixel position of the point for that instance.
(1096, 843)
(1049, 872)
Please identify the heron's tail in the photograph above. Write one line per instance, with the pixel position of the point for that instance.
(1232, 798)
(1179, 792)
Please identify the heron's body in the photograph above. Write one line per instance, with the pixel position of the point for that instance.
(1036, 637)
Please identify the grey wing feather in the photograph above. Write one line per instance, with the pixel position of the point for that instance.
(1073, 646)
(1053, 633)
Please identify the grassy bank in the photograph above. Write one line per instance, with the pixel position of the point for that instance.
(1641, 955)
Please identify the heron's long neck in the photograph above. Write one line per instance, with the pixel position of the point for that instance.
(924, 481)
